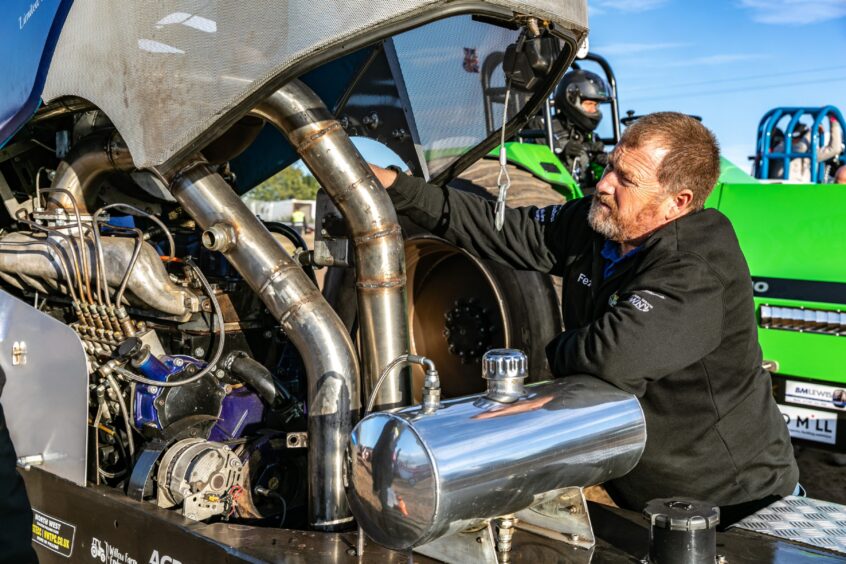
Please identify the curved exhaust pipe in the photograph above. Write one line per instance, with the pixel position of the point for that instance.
(306, 317)
(90, 157)
(379, 252)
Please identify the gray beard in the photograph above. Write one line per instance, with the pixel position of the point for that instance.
(607, 226)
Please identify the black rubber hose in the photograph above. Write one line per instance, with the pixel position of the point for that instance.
(291, 234)
(253, 374)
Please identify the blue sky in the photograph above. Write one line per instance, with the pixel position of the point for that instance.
(728, 61)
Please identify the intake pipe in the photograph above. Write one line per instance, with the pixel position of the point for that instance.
(379, 252)
(91, 157)
(305, 316)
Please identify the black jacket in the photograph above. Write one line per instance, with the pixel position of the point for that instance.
(674, 325)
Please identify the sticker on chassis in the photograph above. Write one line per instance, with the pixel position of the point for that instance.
(810, 424)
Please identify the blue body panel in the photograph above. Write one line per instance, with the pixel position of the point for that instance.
(29, 30)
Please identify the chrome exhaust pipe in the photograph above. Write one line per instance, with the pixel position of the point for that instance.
(90, 157)
(305, 316)
(379, 252)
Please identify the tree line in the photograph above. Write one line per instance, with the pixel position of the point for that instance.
(292, 182)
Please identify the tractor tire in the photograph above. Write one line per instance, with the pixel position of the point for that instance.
(460, 306)
(525, 190)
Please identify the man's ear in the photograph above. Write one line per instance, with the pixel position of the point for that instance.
(682, 203)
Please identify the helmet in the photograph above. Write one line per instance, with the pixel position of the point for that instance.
(576, 86)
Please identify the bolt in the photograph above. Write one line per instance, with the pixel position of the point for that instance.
(350, 551)
(178, 362)
(220, 373)
(199, 351)
(267, 334)
(152, 389)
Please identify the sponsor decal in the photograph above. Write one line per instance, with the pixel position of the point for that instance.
(806, 393)
(109, 554)
(24, 19)
(53, 534)
(810, 424)
(760, 287)
(803, 290)
(584, 280)
(640, 303)
(157, 558)
(471, 60)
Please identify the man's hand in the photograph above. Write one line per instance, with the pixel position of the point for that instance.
(385, 176)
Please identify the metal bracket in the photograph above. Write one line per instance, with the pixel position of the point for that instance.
(477, 546)
(27, 462)
(296, 440)
(563, 518)
(332, 246)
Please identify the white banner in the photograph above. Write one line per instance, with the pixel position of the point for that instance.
(806, 393)
(810, 424)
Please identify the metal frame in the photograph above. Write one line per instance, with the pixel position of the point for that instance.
(770, 121)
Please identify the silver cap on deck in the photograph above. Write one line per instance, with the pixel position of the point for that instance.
(505, 370)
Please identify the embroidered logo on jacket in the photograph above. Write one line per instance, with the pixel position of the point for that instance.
(639, 303)
(547, 214)
(585, 281)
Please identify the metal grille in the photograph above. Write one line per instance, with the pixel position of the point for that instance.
(803, 319)
(809, 521)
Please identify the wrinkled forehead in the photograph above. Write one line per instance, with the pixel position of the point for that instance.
(640, 160)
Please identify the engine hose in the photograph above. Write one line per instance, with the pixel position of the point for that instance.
(252, 373)
(125, 413)
(401, 359)
(218, 315)
(291, 234)
(149, 216)
(136, 252)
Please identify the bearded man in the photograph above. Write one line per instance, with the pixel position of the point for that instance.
(657, 300)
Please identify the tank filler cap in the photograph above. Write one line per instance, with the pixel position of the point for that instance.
(505, 370)
(681, 514)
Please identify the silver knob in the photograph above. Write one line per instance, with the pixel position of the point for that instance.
(505, 370)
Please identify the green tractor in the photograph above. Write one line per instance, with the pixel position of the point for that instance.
(794, 237)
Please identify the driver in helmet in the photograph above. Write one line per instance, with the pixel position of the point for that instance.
(577, 100)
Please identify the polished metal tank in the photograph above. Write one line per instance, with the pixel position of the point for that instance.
(415, 477)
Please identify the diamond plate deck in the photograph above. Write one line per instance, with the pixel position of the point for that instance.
(809, 521)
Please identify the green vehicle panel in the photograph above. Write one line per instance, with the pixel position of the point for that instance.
(542, 162)
(795, 234)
